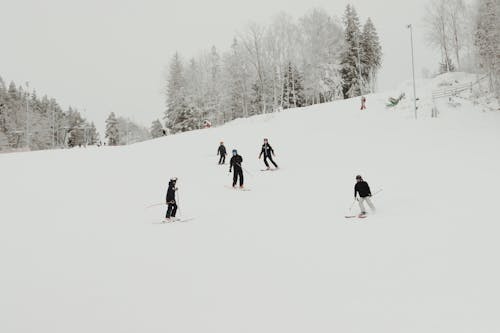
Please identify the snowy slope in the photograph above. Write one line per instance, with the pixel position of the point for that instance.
(80, 253)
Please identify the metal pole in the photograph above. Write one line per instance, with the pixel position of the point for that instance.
(27, 115)
(413, 71)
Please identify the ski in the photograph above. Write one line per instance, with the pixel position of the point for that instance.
(236, 188)
(360, 216)
(173, 221)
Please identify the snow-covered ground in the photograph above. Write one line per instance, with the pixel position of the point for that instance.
(79, 252)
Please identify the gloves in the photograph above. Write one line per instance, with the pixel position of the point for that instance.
(229, 170)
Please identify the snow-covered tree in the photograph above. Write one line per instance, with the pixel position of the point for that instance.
(350, 63)
(321, 46)
(236, 83)
(176, 94)
(112, 132)
(92, 136)
(157, 129)
(371, 54)
(293, 90)
(487, 41)
(131, 132)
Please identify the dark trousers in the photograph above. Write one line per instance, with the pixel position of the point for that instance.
(172, 209)
(237, 173)
(270, 159)
(222, 159)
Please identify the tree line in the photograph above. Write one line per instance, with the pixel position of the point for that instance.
(288, 63)
(467, 35)
(33, 123)
(29, 122)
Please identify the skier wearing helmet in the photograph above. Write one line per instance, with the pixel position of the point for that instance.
(268, 153)
(235, 163)
(363, 189)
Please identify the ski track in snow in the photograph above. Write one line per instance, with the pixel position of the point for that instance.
(80, 253)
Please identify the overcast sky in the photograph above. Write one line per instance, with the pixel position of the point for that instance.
(111, 55)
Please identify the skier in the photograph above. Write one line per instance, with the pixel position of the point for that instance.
(222, 152)
(363, 189)
(363, 103)
(172, 204)
(235, 162)
(268, 152)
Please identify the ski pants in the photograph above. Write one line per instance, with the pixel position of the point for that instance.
(172, 209)
(237, 173)
(222, 159)
(368, 201)
(270, 159)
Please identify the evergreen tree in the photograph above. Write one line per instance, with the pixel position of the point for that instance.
(176, 95)
(112, 132)
(93, 136)
(371, 54)
(156, 129)
(350, 66)
(293, 90)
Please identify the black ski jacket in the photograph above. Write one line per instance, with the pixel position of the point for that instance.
(363, 189)
(221, 150)
(235, 162)
(171, 192)
(267, 150)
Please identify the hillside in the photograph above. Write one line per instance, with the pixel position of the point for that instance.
(81, 253)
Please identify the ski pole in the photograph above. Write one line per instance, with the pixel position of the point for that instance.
(178, 203)
(377, 192)
(350, 208)
(158, 204)
(245, 170)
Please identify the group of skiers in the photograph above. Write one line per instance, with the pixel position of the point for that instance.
(362, 192)
(237, 160)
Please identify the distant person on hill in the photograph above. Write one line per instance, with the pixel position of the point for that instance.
(363, 103)
(172, 204)
(235, 163)
(268, 153)
(363, 189)
(222, 152)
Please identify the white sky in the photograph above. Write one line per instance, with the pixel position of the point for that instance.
(111, 55)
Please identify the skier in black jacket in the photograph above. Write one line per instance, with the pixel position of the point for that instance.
(268, 153)
(235, 163)
(363, 189)
(172, 204)
(222, 152)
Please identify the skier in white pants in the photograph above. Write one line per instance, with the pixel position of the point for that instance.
(363, 189)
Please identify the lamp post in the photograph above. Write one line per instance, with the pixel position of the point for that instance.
(27, 115)
(409, 26)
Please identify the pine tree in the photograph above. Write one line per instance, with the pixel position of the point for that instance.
(112, 132)
(350, 66)
(293, 90)
(176, 95)
(371, 54)
(236, 97)
(93, 135)
(156, 129)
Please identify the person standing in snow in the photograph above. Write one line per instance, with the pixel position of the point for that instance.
(268, 153)
(363, 103)
(235, 163)
(172, 204)
(222, 152)
(363, 189)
